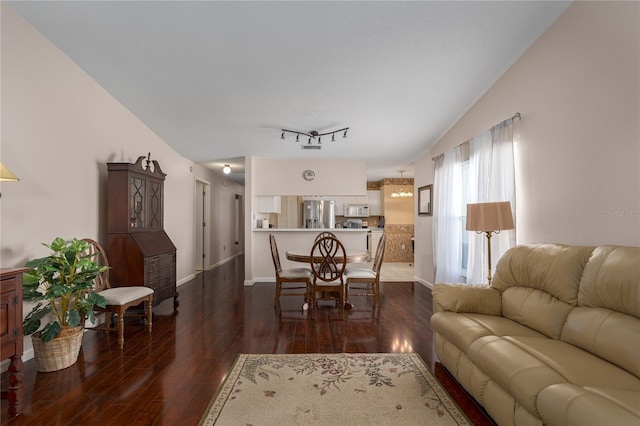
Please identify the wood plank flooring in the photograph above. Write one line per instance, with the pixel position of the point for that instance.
(169, 377)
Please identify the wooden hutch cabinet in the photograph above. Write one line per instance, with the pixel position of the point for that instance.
(11, 335)
(140, 252)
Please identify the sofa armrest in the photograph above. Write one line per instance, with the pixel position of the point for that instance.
(477, 299)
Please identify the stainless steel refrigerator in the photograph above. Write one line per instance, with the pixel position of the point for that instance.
(318, 214)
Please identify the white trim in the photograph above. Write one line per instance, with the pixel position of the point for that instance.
(423, 282)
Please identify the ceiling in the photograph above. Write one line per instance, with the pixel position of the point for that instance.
(218, 80)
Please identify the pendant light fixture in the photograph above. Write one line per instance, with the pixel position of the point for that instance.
(402, 193)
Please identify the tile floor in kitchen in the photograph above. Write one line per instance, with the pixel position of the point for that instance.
(393, 271)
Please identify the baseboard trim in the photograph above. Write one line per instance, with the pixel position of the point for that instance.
(423, 282)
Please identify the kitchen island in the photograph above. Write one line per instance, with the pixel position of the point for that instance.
(297, 238)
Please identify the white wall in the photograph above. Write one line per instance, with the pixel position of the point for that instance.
(333, 177)
(59, 129)
(578, 143)
(221, 245)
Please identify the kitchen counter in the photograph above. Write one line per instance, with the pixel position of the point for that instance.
(297, 239)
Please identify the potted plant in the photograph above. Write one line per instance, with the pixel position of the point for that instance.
(62, 284)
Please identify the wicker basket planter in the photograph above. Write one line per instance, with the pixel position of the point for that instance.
(59, 353)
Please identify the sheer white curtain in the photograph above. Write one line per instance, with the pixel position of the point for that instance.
(491, 178)
(447, 232)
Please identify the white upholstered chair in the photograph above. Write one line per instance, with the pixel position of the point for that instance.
(365, 281)
(289, 282)
(119, 299)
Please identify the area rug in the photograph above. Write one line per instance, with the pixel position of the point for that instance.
(332, 389)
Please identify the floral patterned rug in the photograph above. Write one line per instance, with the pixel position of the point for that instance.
(332, 389)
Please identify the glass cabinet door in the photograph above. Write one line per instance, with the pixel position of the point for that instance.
(137, 204)
(155, 204)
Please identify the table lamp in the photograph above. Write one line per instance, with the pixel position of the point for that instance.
(489, 218)
(7, 175)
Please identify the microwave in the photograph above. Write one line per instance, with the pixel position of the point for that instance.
(356, 210)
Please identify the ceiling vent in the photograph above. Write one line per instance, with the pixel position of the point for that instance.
(307, 146)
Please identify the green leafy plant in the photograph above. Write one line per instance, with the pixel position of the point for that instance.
(62, 283)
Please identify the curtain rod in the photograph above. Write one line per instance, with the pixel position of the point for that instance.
(516, 115)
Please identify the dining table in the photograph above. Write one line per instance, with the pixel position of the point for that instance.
(304, 256)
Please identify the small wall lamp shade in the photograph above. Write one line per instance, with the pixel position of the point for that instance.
(484, 217)
(226, 169)
(7, 175)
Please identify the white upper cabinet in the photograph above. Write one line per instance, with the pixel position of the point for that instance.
(271, 204)
(375, 202)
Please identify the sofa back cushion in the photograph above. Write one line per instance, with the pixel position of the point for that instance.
(607, 319)
(611, 280)
(539, 284)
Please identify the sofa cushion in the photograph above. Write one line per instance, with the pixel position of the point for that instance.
(463, 329)
(479, 299)
(568, 405)
(611, 280)
(536, 309)
(553, 268)
(576, 365)
(523, 366)
(515, 370)
(611, 335)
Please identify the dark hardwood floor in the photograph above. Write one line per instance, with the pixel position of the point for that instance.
(170, 376)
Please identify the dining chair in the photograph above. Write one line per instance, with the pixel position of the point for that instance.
(118, 299)
(369, 277)
(325, 234)
(285, 277)
(328, 270)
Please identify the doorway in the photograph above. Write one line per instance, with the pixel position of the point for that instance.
(201, 225)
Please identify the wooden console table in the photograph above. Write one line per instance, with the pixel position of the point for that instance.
(11, 338)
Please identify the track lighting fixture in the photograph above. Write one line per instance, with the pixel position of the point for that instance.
(315, 135)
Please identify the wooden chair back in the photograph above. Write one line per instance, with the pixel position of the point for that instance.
(96, 253)
(330, 259)
(377, 263)
(325, 234)
(274, 254)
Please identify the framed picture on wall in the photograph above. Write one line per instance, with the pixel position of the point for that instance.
(425, 200)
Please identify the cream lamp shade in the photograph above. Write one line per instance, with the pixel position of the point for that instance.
(7, 175)
(485, 217)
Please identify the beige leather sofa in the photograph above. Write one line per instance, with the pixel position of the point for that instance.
(555, 340)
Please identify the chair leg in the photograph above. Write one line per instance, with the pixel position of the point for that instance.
(377, 287)
(277, 298)
(121, 328)
(149, 310)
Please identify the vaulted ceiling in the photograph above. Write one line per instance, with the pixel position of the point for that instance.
(218, 80)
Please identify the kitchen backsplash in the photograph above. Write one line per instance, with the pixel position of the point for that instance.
(399, 247)
(372, 221)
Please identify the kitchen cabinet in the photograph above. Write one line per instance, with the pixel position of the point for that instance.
(270, 204)
(375, 203)
(139, 250)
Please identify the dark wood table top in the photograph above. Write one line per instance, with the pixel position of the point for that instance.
(304, 255)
